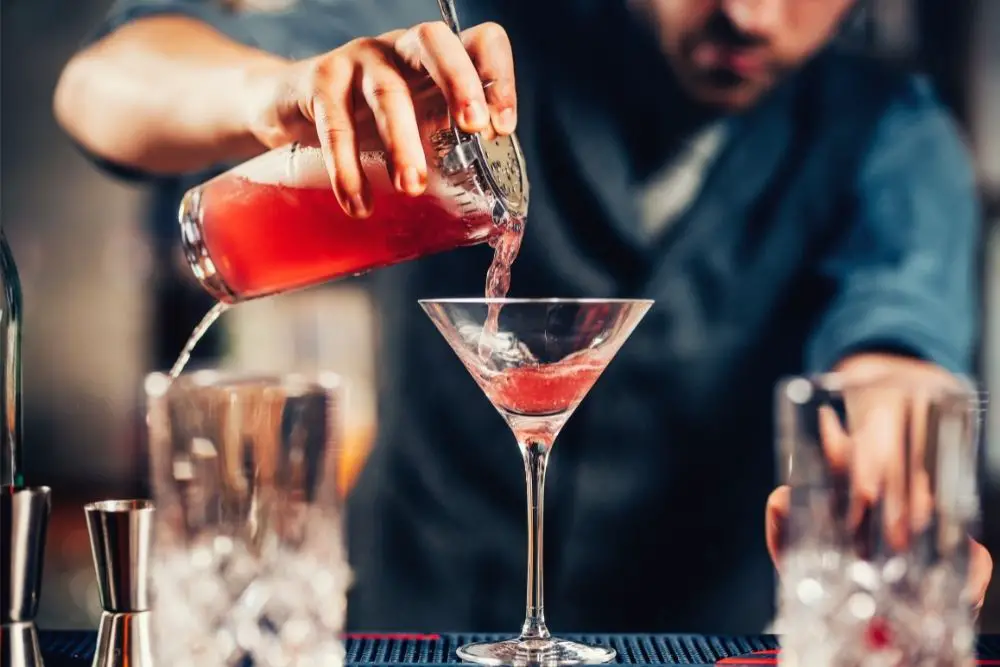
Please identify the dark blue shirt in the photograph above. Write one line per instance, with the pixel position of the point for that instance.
(840, 216)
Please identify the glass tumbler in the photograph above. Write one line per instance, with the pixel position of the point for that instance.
(883, 501)
(248, 560)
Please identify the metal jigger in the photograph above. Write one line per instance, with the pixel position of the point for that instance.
(120, 532)
(24, 520)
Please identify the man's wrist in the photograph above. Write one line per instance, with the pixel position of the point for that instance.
(244, 96)
(263, 84)
(865, 366)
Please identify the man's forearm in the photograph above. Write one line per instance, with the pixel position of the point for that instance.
(164, 94)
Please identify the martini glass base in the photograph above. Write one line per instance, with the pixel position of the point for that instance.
(552, 651)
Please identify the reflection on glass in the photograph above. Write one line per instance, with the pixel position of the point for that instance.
(11, 471)
(248, 560)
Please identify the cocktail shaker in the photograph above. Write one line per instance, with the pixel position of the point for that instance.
(273, 224)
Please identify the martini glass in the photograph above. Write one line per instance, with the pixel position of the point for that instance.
(535, 359)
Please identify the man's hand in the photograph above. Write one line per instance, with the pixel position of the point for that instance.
(171, 94)
(873, 452)
(372, 89)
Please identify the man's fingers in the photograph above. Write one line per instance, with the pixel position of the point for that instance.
(426, 67)
(435, 48)
(332, 110)
(490, 50)
(776, 515)
(980, 573)
(834, 440)
(387, 94)
(889, 425)
(878, 420)
(337, 142)
(776, 533)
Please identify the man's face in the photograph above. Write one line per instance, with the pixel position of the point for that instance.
(728, 53)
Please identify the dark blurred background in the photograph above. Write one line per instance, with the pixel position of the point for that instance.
(105, 302)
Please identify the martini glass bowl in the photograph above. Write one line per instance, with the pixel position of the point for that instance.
(535, 359)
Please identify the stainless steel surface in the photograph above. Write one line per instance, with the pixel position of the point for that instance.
(506, 172)
(461, 157)
(124, 640)
(120, 537)
(19, 646)
(464, 154)
(120, 532)
(24, 520)
(449, 15)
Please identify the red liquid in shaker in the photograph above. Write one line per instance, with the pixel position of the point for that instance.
(265, 238)
(273, 224)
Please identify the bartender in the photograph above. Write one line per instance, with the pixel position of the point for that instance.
(790, 208)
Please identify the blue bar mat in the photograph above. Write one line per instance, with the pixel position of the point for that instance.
(66, 648)
(72, 648)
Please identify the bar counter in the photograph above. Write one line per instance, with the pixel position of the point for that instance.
(76, 649)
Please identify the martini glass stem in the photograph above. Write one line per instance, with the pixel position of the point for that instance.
(536, 458)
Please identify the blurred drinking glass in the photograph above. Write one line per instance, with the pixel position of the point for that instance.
(248, 561)
(883, 499)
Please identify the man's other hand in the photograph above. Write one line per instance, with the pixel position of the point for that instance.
(877, 419)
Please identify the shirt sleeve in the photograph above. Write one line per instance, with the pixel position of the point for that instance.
(304, 29)
(905, 276)
(300, 31)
